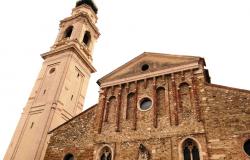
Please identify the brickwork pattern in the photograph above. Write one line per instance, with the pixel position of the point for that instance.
(217, 121)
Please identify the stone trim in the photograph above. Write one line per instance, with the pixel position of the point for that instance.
(175, 97)
(154, 104)
(100, 149)
(118, 110)
(102, 102)
(135, 107)
(180, 148)
(226, 87)
(151, 74)
(139, 103)
(196, 98)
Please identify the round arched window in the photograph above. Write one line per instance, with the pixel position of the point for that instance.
(69, 157)
(145, 104)
(247, 147)
(68, 32)
(86, 38)
(190, 150)
(145, 67)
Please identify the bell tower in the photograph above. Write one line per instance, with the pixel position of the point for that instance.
(60, 89)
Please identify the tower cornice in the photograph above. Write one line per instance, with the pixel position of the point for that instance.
(76, 48)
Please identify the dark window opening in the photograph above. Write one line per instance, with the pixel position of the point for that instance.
(72, 96)
(69, 157)
(190, 150)
(44, 92)
(32, 124)
(186, 153)
(52, 70)
(106, 154)
(145, 67)
(86, 38)
(68, 32)
(247, 147)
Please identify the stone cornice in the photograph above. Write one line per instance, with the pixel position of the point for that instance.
(71, 45)
(86, 6)
(67, 41)
(151, 74)
(148, 54)
(82, 15)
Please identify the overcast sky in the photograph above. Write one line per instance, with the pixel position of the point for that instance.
(218, 30)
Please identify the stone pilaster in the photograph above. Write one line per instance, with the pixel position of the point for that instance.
(101, 106)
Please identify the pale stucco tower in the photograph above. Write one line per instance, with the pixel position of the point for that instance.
(60, 88)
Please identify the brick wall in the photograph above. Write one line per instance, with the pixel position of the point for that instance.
(218, 121)
(227, 121)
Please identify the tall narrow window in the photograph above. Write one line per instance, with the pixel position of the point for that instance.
(130, 106)
(161, 109)
(68, 32)
(110, 110)
(190, 150)
(106, 154)
(86, 38)
(69, 157)
(185, 101)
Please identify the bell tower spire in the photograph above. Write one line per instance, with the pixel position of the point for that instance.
(60, 89)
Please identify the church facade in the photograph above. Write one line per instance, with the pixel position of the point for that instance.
(159, 107)
(155, 107)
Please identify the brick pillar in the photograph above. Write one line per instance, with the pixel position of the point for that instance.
(101, 106)
(175, 100)
(126, 100)
(118, 110)
(135, 107)
(154, 104)
(168, 100)
(196, 98)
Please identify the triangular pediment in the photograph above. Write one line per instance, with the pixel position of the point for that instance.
(148, 63)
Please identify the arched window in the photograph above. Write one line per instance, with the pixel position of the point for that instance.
(247, 147)
(190, 150)
(130, 106)
(86, 38)
(160, 101)
(68, 32)
(110, 110)
(106, 154)
(69, 157)
(185, 101)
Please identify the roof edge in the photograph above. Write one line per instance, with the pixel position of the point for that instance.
(99, 81)
(227, 87)
(87, 110)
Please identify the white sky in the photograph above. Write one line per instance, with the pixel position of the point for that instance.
(218, 30)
